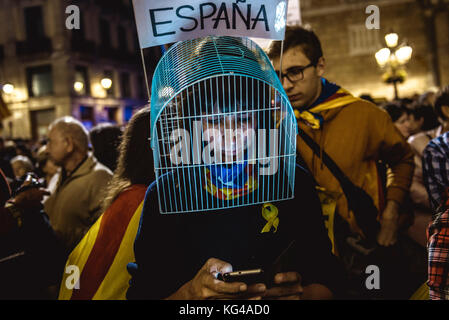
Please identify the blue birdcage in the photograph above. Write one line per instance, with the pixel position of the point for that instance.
(223, 130)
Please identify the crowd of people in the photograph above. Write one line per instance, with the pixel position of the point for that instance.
(373, 178)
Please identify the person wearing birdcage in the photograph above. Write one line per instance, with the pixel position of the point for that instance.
(228, 194)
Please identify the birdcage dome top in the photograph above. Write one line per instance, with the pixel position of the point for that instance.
(188, 62)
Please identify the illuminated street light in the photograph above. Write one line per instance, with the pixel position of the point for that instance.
(392, 60)
(8, 88)
(382, 56)
(404, 54)
(391, 40)
(78, 86)
(106, 83)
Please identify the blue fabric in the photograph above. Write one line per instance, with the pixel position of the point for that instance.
(233, 177)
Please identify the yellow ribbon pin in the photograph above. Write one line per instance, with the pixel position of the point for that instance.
(270, 213)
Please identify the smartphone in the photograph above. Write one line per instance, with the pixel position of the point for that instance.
(246, 276)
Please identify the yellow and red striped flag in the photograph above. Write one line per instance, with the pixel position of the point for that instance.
(105, 250)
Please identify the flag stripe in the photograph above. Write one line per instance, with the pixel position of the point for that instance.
(78, 257)
(112, 229)
(116, 282)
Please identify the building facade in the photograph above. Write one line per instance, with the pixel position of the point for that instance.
(58, 71)
(349, 46)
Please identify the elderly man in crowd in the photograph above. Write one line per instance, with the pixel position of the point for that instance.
(76, 202)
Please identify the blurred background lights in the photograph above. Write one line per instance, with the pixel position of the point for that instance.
(78, 86)
(391, 39)
(382, 56)
(106, 83)
(8, 88)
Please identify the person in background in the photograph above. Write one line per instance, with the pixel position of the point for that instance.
(31, 256)
(422, 117)
(108, 245)
(105, 139)
(22, 149)
(435, 166)
(21, 165)
(5, 161)
(48, 169)
(399, 116)
(356, 134)
(419, 141)
(76, 203)
(367, 97)
(427, 98)
(438, 248)
(436, 180)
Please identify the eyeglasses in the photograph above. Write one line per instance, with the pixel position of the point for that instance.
(294, 74)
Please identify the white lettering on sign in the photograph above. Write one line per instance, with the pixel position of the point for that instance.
(159, 23)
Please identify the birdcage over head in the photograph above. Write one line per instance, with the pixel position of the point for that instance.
(223, 130)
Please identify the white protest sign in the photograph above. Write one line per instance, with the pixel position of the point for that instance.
(161, 21)
(293, 18)
(294, 13)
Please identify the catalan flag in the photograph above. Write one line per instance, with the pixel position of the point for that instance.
(105, 250)
(4, 111)
(215, 186)
(332, 96)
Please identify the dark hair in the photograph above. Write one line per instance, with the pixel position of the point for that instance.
(406, 101)
(105, 139)
(367, 97)
(395, 110)
(5, 190)
(225, 91)
(442, 100)
(426, 112)
(135, 162)
(298, 36)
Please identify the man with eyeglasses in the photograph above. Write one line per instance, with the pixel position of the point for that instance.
(355, 133)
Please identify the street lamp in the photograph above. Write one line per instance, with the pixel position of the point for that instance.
(106, 83)
(78, 86)
(8, 88)
(392, 59)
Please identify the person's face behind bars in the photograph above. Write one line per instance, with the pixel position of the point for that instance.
(231, 130)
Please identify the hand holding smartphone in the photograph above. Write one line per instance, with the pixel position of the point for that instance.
(249, 277)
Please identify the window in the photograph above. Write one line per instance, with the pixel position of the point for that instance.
(80, 34)
(87, 116)
(81, 75)
(109, 74)
(34, 23)
(39, 81)
(141, 93)
(111, 113)
(125, 85)
(105, 33)
(363, 41)
(122, 39)
(128, 112)
(40, 120)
